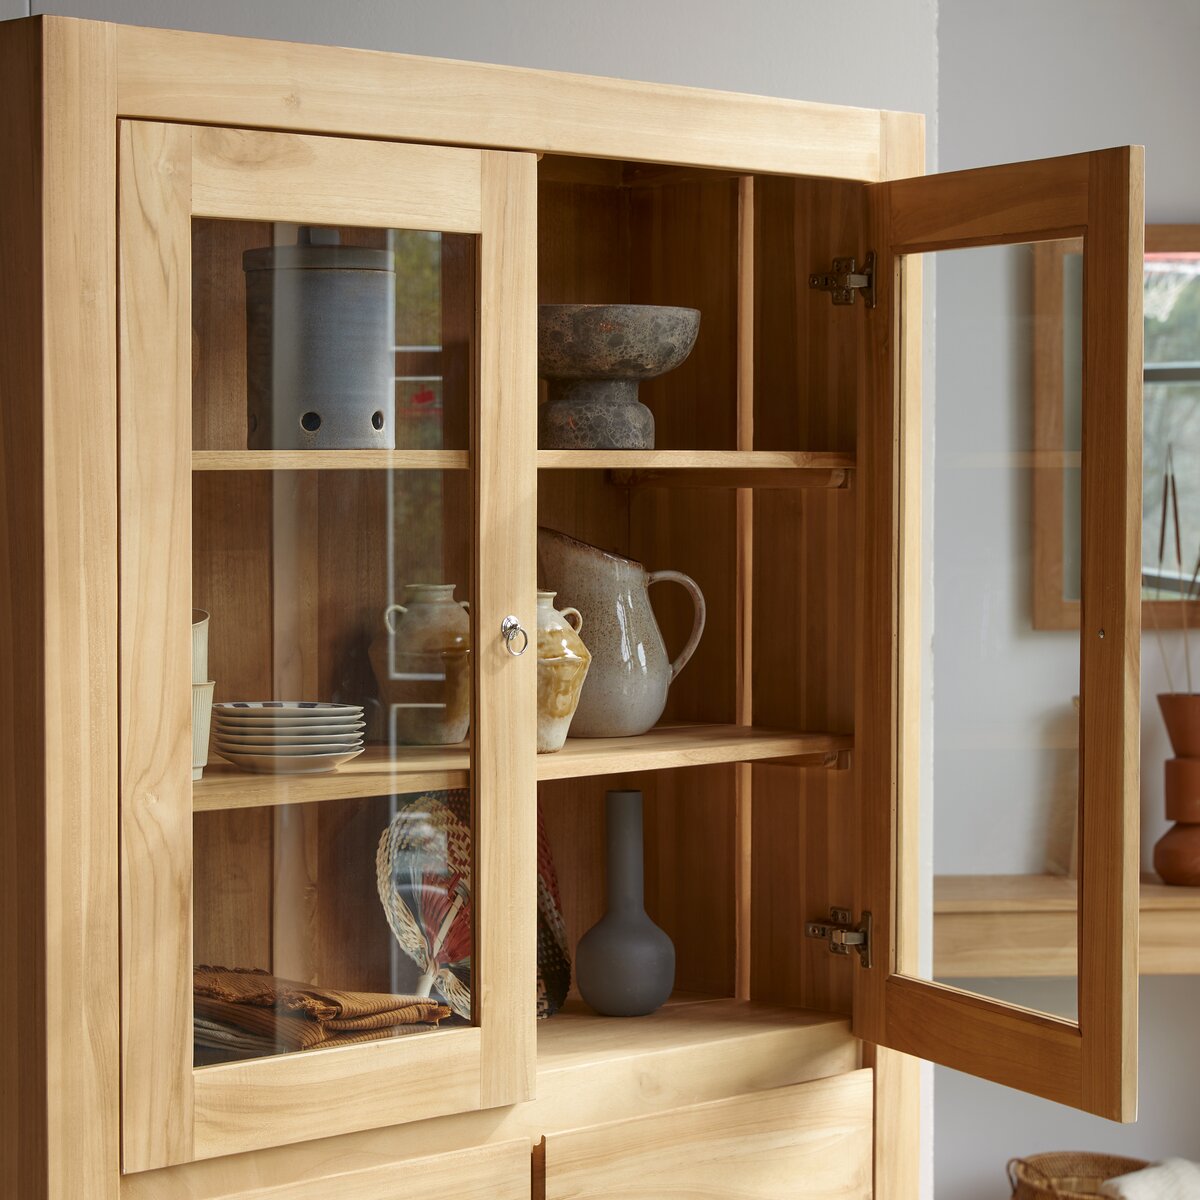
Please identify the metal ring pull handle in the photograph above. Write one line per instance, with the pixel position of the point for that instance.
(510, 630)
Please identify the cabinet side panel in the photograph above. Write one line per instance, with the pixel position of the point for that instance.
(23, 1147)
(78, 421)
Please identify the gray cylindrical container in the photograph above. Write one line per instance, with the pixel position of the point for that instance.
(320, 333)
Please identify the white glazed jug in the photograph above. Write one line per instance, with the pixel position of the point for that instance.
(626, 687)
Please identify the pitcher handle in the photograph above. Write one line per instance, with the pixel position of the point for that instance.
(388, 623)
(697, 596)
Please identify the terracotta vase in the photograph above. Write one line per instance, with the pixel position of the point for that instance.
(626, 689)
(562, 666)
(1177, 852)
(422, 664)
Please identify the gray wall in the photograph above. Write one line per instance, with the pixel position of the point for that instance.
(1021, 80)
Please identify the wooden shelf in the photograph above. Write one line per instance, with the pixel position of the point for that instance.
(380, 772)
(687, 460)
(593, 1069)
(993, 926)
(330, 460)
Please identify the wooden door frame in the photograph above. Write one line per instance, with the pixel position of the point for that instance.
(1091, 1065)
(168, 174)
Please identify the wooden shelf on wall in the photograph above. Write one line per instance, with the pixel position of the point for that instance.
(330, 460)
(382, 772)
(994, 926)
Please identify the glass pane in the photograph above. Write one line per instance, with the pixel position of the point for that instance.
(333, 325)
(333, 852)
(999, 787)
(1171, 422)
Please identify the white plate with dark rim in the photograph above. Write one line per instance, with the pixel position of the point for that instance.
(300, 764)
(288, 751)
(269, 709)
(234, 740)
(260, 727)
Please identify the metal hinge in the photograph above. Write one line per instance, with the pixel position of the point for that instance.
(846, 278)
(843, 935)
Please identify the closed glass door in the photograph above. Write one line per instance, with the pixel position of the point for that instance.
(327, 516)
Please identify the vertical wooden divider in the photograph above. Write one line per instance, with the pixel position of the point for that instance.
(744, 714)
(155, 597)
(504, 712)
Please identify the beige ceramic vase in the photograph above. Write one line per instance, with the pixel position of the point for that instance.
(562, 666)
(422, 664)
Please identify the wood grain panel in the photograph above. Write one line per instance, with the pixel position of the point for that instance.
(240, 174)
(683, 251)
(300, 1097)
(497, 1172)
(58, 619)
(1016, 202)
(813, 1140)
(232, 81)
(231, 888)
(1092, 1065)
(219, 331)
(155, 676)
(591, 1070)
(504, 712)
(1110, 632)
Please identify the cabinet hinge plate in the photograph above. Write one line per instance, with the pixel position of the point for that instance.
(846, 278)
(843, 935)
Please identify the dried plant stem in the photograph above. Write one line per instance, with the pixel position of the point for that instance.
(1168, 471)
(1187, 641)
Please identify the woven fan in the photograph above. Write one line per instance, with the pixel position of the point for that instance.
(423, 872)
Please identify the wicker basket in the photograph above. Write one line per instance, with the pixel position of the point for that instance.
(1066, 1175)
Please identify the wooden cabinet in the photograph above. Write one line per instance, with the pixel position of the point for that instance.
(782, 780)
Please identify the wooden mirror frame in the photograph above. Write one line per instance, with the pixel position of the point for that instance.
(1051, 609)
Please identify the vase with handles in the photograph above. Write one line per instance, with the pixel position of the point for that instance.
(625, 964)
(422, 663)
(630, 675)
(562, 666)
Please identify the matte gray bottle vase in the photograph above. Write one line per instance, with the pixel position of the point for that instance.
(625, 964)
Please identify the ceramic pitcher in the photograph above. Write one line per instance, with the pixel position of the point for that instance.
(421, 660)
(626, 688)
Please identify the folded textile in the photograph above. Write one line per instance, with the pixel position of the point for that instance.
(215, 1034)
(1172, 1179)
(281, 1014)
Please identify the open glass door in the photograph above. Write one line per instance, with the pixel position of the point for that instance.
(972, 768)
(327, 792)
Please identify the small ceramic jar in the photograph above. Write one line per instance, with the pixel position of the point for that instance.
(422, 663)
(562, 666)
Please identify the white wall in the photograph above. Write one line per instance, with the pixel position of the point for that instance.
(1021, 80)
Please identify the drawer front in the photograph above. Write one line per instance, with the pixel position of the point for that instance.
(812, 1140)
(499, 1172)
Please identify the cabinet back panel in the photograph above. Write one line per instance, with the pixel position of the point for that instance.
(688, 833)
(807, 352)
(807, 371)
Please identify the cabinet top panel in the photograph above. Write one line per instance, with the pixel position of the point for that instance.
(171, 75)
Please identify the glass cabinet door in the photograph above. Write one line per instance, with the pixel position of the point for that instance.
(987, 757)
(327, 795)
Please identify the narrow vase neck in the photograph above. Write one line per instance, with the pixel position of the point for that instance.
(624, 833)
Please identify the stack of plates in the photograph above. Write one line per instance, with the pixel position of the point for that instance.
(287, 737)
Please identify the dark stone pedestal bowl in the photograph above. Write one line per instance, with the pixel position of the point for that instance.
(594, 356)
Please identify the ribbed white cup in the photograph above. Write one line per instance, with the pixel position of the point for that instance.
(199, 645)
(202, 695)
